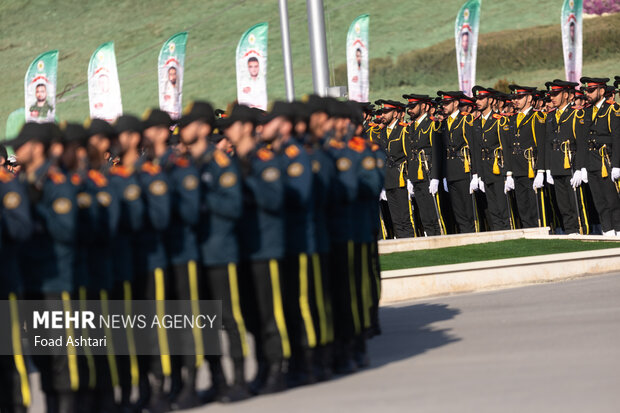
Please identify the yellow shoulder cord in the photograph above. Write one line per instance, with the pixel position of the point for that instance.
(403, 133)
(496, 170)
(533, 123)
(466, 160)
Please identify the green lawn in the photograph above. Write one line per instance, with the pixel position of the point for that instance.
(139, 29)
(487, 251)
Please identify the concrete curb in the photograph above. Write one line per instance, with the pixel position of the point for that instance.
(457, 240)
(399, 285)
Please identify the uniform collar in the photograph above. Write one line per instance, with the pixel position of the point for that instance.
(565, 107)
(421, 118)
(526, 111)
(393, 124)
(600, 103)
(488, 115)
(454, 114)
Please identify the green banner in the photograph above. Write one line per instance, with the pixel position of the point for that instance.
(170, 69)
(104, 91)
(357, 59)
(466, 39)
(40, 88)
(572, 11)
(252, 67)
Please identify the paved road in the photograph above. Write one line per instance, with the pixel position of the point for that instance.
(542, 348)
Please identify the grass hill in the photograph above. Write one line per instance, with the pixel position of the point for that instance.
(399, 30)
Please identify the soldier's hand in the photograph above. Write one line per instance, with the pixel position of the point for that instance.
(410, 188)
(539, 181)
(473, 184)
(615, 173)
(382, 195)
(445, 185)
(584, 175)
(433, 187)
(550, 180)
(576, 179)
(509, 185)
(481, 186)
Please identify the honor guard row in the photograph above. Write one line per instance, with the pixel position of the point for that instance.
(498, 161)
(274, 214)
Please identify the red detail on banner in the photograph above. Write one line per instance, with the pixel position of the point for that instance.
(39, 78)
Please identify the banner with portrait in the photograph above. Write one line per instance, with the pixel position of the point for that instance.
(104, 90)
(357, 59)
(40, 88)
(572, 11)
(170, 69)
(466, 39)
(252, 67)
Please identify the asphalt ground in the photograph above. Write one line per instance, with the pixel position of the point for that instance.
(541, 348)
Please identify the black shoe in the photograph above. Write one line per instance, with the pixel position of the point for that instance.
(275, 381)
(235, 393)
(344, 365)
(188, 398)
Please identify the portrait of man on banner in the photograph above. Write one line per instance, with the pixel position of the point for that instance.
(571, 62)
(253, 85)
(102, 102)
(39, 107)
(171, 92)
(465, 57)
(358, 75)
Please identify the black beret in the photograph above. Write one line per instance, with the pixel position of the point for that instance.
(99, 127)
(594, 81)
(452, 95)
(239, 113)
(74, 133)
(156, 117)
(522, 90)
(127, 123)
(198, 110)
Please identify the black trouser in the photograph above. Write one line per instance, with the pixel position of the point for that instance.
(347, 320)
(498, 213)
(15, 393)
(426, 207)
(375, 271)
(387, 230)
(363, 278)
(398, 202)
(462, 205)
(605, 200)
(526, 201)
(223, 284)
(264, 309)
(324, 318)
(565, 197)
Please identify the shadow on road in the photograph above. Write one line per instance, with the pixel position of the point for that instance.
(408, 331)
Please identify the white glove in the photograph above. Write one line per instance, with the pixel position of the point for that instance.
(445, 185)
(539, 181)
(410, 188)
(576, 180)
(481, 186)
(584, 175)
(615, 173)
(509, 185)
(433, 187)
(550, 180)
(473, 185)
(382, 196)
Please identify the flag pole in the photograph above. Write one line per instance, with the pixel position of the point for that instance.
(318, 46)
(286, 51)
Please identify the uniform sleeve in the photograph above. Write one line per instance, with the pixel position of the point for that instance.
(346, 185)
(266, 184)
(156, 195)
(370, 184)
(16, 211)
(186, 196)
(541, 142)
(507, 136)
(297, 180)
(108, 210)
(614, 123)
(59, 210)
(223, 193)
(475, 149)
(548, 143)
(436, 151)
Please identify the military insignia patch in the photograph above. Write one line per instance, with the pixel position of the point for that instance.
(295, 169)
(343, 164)
(221, 159)
(132, 192)
(270, 174)
(316, 166)
(228, 179)
(190, 182)
(61, 206)
(84, 200)
(11, 200)
(380, 163)
(369, 163)
(104, 198)
(158, 187)
(292, 151)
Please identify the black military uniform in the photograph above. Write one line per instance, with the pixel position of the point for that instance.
(525, 146)
(492, 164)
(423, 159)
(566, 130)
(392, 140)
(458, 130)
(603, 121)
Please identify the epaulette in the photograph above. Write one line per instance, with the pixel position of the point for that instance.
(403, 123)
(463, 113)
(611, 101)
(372, 124)
(291, 151)
(181, 162)
(579, 113)
(120, 170)
(98, 178)
(616, 107)
(151, 168)
(497, 116)
(503, 120)
(357, 144)
(56, 176)
(221, 159)
(335, 144)
(542, 117)
(5, 176)
(76, 179)
(374, 147)
(264, 154)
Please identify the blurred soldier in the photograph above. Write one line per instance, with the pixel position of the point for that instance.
(392, 140)
(47, 258)
(15, 228)
(262, 247)
(579, 101)
(566, 131)
(492, 162)
(424, 161)
(457, 161)
(525, 145)
(125, 185)
(221, 201)
(603, 122)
